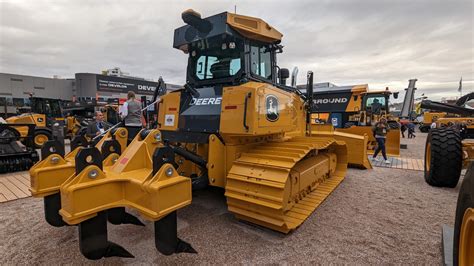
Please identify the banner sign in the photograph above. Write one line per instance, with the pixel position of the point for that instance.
(123, 85)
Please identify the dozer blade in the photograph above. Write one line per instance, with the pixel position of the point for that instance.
(278, 185)
(143, 178)
(392, 143)
(356, 144)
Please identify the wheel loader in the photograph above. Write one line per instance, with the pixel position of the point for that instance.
(234, 125)
(354, 110)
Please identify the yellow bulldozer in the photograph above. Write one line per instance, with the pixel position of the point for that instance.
(354, 110)
(234, 125)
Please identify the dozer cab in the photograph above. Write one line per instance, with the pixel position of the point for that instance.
(354, 110)
(234, 125)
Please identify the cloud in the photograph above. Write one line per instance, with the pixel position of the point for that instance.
(383, 43)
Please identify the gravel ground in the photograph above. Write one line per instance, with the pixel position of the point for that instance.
(374, 217)
(416, 146)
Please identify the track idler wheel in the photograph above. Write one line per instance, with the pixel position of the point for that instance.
(93, 240)
(166, 237)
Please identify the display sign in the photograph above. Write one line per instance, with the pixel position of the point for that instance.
(331, 102)
(124, 85)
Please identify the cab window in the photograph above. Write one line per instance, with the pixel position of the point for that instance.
(260, 61)
(372, 100)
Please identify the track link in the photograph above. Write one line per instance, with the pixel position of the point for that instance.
(278, 185)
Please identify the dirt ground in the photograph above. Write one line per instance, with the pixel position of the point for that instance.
(379, 216)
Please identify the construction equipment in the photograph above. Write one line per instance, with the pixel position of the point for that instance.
(354, 110)
(449, 147)
(428, 119)
(43, 114)
(14, 155)
(56, 167)
(234, 125)
(458, 243)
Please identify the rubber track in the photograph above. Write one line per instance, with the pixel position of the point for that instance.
(256, 183)
(446, 158)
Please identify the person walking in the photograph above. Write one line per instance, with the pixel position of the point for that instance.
(403, 129)
(380, 130)
(411, 130)
(131, 115)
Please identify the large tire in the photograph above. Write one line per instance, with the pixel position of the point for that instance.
(462, 252)
(443, 157)
(41, 136)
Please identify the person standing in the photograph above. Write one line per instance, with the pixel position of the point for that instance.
(380, 130)
(131, 115)
(98, 126)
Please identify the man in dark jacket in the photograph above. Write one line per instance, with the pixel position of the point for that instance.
(380, 131)
(98, 126)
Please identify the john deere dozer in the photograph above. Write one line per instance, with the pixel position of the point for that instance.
(234, 125)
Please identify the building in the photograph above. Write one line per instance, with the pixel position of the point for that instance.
(15, 90)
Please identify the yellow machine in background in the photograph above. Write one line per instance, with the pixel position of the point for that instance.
(354, 110)
(234, 125)
(43, 113)
(428, 119)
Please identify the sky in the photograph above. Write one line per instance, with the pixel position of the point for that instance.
(375, 42)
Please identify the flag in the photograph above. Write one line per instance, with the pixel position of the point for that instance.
(460, 85)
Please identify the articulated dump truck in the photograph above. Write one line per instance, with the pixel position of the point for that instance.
(234, 125)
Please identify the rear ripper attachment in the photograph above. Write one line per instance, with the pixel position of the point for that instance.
(55, 168)
(143, 178)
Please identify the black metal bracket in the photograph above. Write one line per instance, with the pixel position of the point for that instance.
(52, 147)
(161, 156)
(110, 146)
(79, 141)
(86, 157)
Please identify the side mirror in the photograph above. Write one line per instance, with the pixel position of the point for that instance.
(283, 74)
(395, 95)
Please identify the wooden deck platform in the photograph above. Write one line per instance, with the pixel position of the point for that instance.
(400, 163)
(14, 186)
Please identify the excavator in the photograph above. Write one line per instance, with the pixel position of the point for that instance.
(235, 124)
